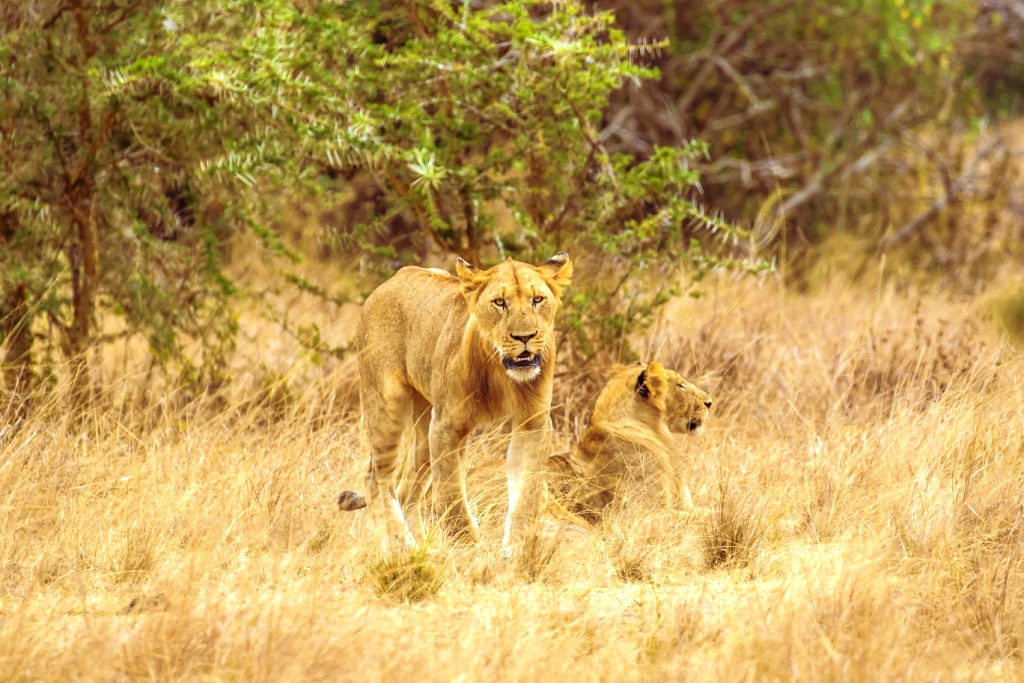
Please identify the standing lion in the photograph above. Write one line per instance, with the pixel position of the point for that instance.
(447, 353)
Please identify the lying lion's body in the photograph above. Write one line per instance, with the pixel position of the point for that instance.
(448, 354)
(628, 444)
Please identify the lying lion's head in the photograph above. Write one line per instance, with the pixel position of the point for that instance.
(655, 395)
(514, 305)
(685, 406)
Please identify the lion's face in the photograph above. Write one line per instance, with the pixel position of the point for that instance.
(686, 406)
(514, 305)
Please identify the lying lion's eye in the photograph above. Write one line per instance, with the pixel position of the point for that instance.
(500, 303)
(537, 300)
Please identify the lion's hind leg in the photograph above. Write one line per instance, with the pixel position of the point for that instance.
(417, 474)
(386, 413)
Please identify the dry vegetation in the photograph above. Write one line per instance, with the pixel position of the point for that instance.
(859, 511)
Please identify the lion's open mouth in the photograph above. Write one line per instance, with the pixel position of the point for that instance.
(524, 360)
(694, 424)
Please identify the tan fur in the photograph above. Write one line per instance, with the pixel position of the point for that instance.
(432, 353)
(629, 440)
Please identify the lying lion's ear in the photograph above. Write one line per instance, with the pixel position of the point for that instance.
(558, 272)
(471, 277)
(653, 384)
(641, 385)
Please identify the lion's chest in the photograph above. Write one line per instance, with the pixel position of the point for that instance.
(488, 400)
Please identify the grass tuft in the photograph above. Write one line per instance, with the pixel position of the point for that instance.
(535, 560)
(733, 530)
(632, 556)
(405, 577)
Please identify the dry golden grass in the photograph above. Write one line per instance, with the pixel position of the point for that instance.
(859, 499)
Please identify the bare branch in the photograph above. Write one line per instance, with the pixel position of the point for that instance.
(64, 7)
(121, 16)
(739, 119)
(94, 147)
(953, 192)
(684, 103)
(814, 187)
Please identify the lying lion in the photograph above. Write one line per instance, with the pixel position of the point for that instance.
(625, 449)
(628, 445)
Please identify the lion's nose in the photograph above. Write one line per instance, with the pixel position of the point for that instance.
(524, 337)
(707, 403)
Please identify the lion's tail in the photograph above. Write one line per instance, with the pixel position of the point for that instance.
(349, 501)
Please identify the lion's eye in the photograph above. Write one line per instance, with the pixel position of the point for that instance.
(500, 303)
(538, 300)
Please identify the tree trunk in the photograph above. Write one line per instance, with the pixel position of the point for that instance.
(83, 252)
(83, 258)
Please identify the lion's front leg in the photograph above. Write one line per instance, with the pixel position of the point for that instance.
(525, 468)
(448, 475)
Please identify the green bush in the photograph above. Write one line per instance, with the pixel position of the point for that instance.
(138, 142)
(459, 115)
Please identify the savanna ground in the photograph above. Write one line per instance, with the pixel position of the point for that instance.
(859, 503)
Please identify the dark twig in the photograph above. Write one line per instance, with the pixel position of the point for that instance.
(684, 103)
(953, 192)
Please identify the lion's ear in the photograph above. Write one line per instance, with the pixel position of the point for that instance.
(558, 272)
(653, 385)
(642, 390)
(471, 277)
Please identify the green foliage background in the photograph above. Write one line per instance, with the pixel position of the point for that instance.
(139, 137)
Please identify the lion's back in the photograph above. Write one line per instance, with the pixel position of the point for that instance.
(398, 306)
